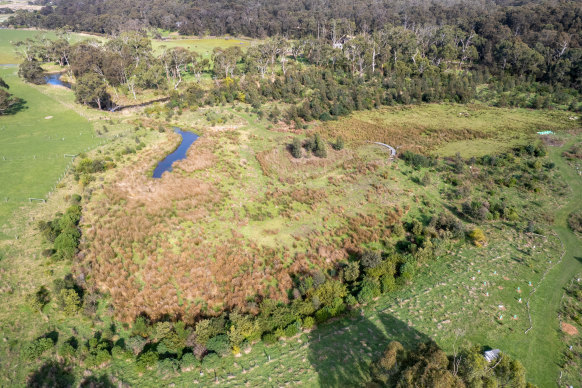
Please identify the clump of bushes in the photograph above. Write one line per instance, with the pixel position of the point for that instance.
(296, 148)
(31, 71)
(68, 295)
(86, 167)
(316, 145)
(429, 366)
(477, 210)
(417, 160)
(478, 238)
(63, 232)
(575, 221)
(39, 299)
(447, 224)
(33, 350)
(339, 144)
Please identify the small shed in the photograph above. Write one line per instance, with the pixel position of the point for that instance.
(491, 355)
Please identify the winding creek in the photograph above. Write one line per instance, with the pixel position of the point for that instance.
(166, 164)
(55, 79)
(180, 153)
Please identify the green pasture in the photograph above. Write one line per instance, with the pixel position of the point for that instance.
(202, 46)
(33, 143)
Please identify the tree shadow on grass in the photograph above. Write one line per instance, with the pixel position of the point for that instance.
(52, 374)
(10, 105)
(341, 352)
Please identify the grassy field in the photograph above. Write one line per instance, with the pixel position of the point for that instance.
(572, 331)
(202, 46)
(21, 265)
(7, 37)
(33, 144)
(445, 129)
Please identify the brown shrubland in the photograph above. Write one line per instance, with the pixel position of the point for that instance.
(173, 246)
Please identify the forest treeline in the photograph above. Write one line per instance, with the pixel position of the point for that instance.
(539, 40)
(322, 78)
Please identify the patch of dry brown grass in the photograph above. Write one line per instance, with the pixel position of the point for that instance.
(417, 138)
(152, 244)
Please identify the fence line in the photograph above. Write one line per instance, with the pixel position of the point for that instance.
(55, 156)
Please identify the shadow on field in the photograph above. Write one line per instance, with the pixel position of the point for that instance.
(15, 106)
(341, 352)
(51, 374)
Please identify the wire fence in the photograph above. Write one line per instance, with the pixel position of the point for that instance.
(6, 160)
(27, 197)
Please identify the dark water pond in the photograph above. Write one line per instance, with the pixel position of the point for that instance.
(180, 153)
(55, 79)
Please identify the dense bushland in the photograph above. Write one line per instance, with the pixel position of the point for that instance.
(342, 69)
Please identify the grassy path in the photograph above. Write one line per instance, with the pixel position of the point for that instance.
(544, 345)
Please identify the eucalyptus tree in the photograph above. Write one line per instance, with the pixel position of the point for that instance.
(225, 61)
(91, 90)
(175, 62)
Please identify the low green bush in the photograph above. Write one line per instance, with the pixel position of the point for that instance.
(33, 350)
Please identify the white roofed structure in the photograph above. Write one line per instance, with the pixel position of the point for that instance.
(491, 355)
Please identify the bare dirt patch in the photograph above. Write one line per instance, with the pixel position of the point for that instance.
(569, 329)
(552, 141)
